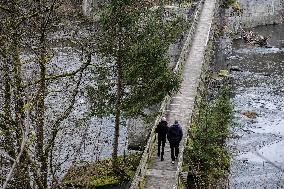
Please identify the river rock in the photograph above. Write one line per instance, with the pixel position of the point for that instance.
(235, 68)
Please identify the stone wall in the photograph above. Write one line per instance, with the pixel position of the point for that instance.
(138, 130)
(256, 12)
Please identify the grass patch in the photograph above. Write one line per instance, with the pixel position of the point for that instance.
(99, 174)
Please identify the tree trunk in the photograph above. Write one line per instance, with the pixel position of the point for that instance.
(117, 121)
(118, 110)
(21, 178)
(8, 143)
(40, 126)
(41, 156)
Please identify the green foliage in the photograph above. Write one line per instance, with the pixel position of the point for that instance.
(237, 7)
(132, 41)
(137, 37)
(104, 182)
(228, 3)
(100, 174)
(223, 73)
(205, 153)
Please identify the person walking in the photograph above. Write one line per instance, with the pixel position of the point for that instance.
(174, 136)
(162, 129)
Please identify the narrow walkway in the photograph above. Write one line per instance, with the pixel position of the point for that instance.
(161, 175)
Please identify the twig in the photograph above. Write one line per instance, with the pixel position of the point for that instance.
(65, 114)
(82, 68)
(5, 9)
(4, 154)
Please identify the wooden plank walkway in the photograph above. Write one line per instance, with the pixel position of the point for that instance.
(161, 174)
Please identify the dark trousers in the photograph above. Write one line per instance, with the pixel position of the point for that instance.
(161, 143)
(174, 150)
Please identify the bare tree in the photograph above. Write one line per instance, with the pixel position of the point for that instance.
(30, 126)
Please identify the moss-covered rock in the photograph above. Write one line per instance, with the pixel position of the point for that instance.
(99, 174)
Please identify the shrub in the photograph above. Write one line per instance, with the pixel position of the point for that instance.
(206, 154)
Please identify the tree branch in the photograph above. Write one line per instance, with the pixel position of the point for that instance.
(49, 13)
(4, 154)
(5, 9)
(23, 144)
(51, 77)
(25, 17)
(65, 113)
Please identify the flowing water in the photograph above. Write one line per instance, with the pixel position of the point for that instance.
(258, 91)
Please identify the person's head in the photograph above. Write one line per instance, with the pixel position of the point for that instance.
(176, 121)
(163, 119)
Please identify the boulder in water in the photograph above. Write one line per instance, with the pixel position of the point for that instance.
(235, 68)
(255, 39)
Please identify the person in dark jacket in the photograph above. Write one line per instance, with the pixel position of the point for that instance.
(174, 137)
(162, 129)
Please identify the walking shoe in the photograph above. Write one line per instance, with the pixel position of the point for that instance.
(162, 159)
(173, 162)
(158, 154)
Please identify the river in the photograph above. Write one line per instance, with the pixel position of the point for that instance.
(258, 90)
(79, 139)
